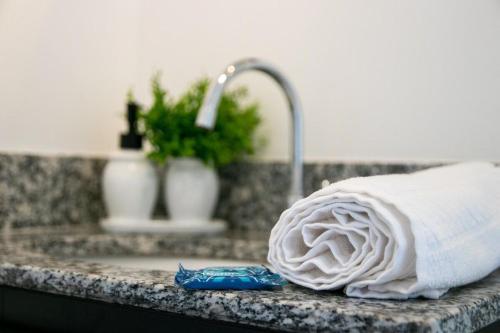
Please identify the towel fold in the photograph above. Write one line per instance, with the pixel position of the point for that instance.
(393, 236)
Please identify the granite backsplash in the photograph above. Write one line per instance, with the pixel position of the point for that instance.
(48, 190)
(42, 191)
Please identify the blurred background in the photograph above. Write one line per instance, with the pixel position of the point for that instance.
(379, 80)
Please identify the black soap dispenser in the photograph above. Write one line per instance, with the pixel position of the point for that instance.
(132, 139)
(130, 183)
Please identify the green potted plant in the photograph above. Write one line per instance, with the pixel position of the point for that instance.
(193, 154)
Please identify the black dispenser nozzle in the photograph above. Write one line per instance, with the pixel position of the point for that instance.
(132, 139)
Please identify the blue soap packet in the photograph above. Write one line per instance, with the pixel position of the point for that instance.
(235, 278)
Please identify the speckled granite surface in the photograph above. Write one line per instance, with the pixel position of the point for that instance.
(28, 261)
(36, 190)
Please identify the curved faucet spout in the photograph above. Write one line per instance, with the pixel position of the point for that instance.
(208, 112)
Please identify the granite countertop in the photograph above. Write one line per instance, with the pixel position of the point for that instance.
(35, 260)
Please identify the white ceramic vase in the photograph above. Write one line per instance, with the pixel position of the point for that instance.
(191, 191)
(130, 186)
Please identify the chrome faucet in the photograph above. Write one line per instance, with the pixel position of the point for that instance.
(208, 112)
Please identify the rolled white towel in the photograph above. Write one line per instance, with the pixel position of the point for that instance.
(393, 236)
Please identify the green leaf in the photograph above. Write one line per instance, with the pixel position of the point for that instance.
(170, 125)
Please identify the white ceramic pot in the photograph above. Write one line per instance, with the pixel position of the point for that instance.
(130, 186)
(191, 190)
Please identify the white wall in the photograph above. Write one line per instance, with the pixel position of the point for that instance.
(388, 79)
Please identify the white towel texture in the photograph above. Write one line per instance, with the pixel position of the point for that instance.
(394, 236)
